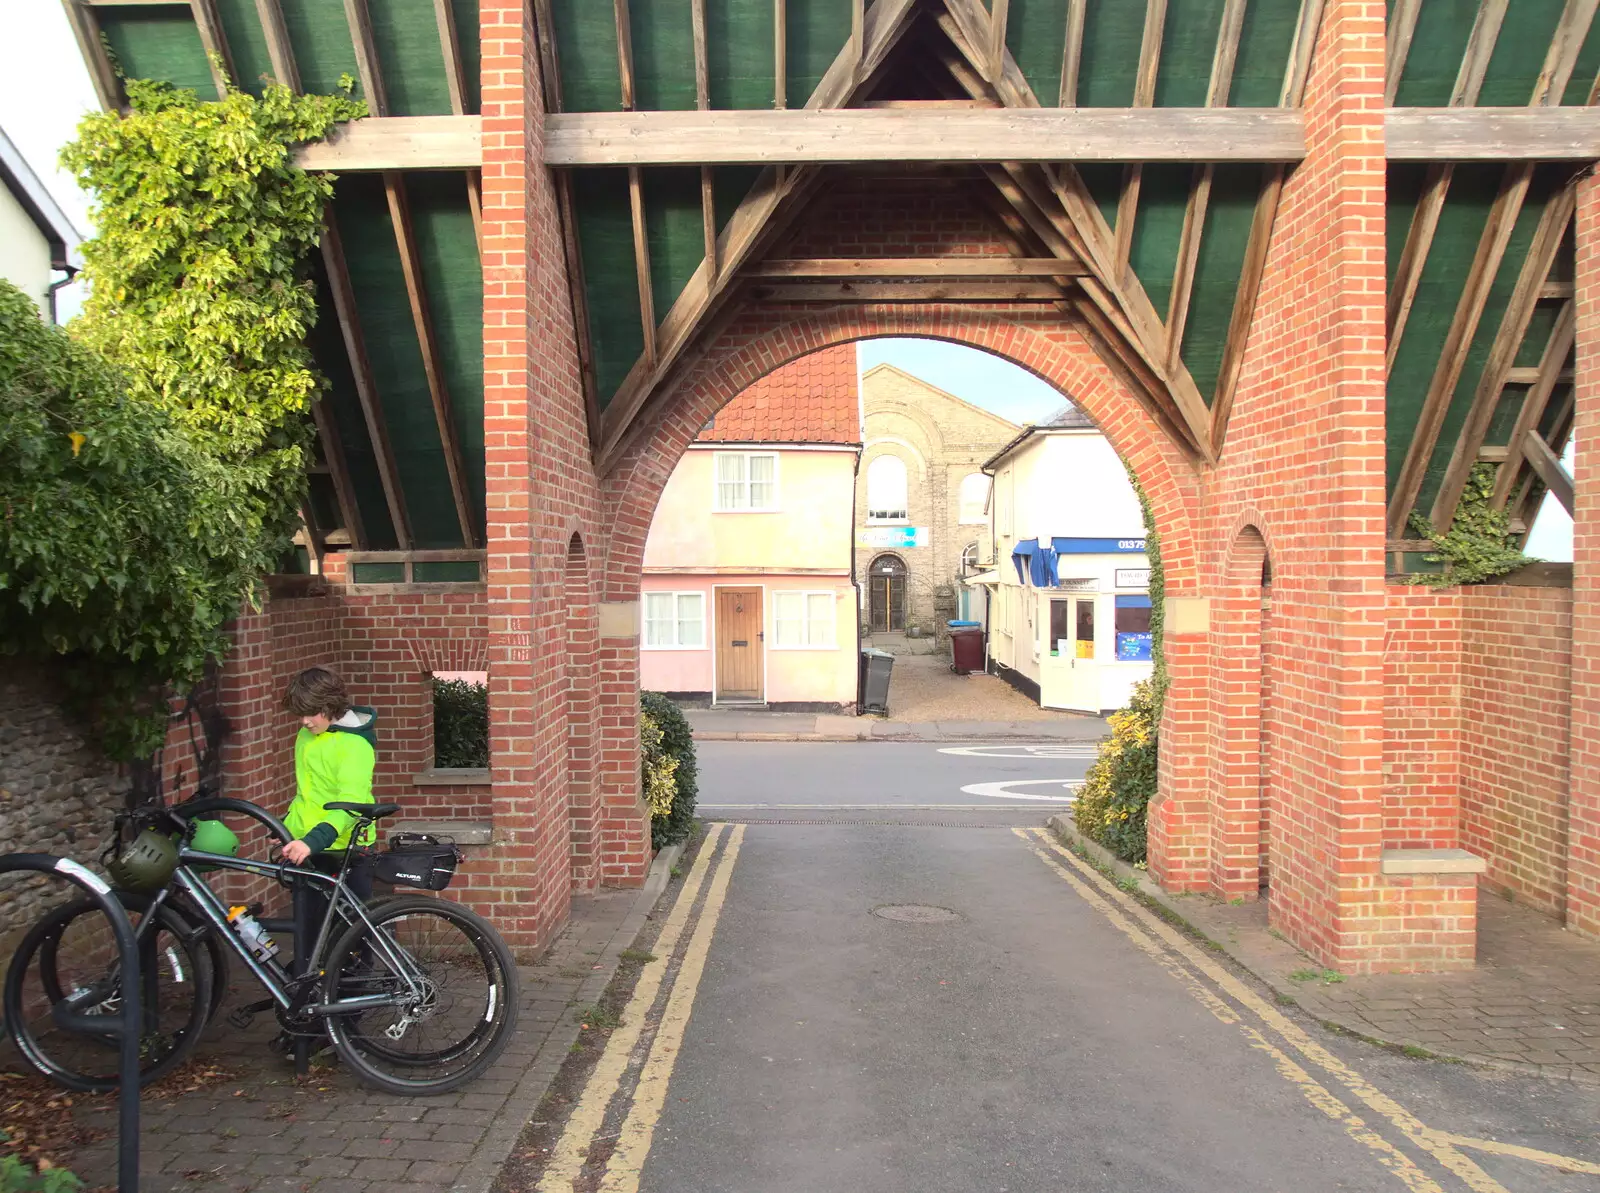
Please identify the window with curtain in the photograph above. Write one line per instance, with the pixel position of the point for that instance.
(975, 498)
(803, 619)
(675, 619)
(886, 490)
(747, 481)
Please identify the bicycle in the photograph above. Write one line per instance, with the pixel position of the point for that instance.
(417, 995)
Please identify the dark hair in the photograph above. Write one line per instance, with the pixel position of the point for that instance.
(315, 691)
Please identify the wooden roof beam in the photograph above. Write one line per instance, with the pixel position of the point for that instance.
(1397, 46)
(1072, 54)
(839, 136)
(918, 267)
(214, 42)
(1144, 96)
(1546, 463)
(86, 29)
(1551, 372)
(279, 49)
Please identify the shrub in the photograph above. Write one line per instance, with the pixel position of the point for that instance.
(677, 742)
(460, 723)
(660, 768)
(1112, 804)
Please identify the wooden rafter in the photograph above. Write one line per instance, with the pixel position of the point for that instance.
(279, 50)
(1557, 351)
(702, 102)
(780, 54)
(1541, 258)
(883, 290)
(917, 267)
(1296, 76)
(1546, 463)
(1144, 96)
(344, 306)
(1436, 185)
(1457, 343)
(1072, 54)
(884, 23)
(360, 22)
(1397, 46)
(339, 470)
(86, 30)
(1559, 64)
(1114, 288)
(544, 34)
(432, 367)
(999, 15)
(1194, 214)
(214, 42)
(450, 48)
(641, 263)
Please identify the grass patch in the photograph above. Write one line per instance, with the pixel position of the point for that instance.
(639, 955)
(1328, 977)
(599, 1017)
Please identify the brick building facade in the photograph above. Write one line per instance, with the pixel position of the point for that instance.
(936, 444)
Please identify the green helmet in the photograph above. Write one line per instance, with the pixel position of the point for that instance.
(212, 836)
(146, 865)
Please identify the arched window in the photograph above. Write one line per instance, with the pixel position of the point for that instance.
(886, 490)
(975, 498)
(969, 559)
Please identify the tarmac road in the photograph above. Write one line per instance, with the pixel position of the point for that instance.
(1045, 1033)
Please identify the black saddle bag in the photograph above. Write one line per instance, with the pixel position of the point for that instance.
(417, 859)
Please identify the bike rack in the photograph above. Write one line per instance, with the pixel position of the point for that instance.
(128, 1022)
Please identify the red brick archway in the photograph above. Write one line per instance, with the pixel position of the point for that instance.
(768, 339)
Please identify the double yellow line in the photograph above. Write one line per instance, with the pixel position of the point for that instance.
(569, 1156)
(1261, 1022)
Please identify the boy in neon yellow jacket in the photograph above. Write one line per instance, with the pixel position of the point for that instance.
(333, 761)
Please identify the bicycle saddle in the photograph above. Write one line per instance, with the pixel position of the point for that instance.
(376, 811)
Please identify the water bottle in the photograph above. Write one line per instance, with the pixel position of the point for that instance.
(255, 937)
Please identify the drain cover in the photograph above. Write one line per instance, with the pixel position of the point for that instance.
(915, 913)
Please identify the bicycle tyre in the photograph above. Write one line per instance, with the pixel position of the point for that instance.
(216, 952)
(66, 1057)
(482, 1012)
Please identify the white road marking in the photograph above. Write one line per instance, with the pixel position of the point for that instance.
(1000, 790)
(1087, 749)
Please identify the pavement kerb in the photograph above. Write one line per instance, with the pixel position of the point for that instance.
(490, 1156)
(724, 735)
(1067, 833)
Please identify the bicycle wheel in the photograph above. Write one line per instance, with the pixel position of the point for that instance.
(215, 952)
(67, 953)
(454, 1027)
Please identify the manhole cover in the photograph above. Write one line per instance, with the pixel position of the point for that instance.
(915, 913)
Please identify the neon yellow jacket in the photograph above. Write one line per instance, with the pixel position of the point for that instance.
(329, 767)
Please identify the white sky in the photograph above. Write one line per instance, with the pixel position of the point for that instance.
(44, 92)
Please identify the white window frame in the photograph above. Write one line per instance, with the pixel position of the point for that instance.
(774, 640)
(677, 619)
(889, 519)
(716, 483)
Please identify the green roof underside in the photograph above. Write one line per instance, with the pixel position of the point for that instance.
(162, 43)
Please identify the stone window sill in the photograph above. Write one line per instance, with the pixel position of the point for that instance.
(1432, 861)
(449, 776)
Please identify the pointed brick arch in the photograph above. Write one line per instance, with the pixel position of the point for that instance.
(766, 340)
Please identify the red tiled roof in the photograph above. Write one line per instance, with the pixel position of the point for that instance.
(810, 400)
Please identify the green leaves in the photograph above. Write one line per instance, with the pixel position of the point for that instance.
(1479, 545)
(152, 463)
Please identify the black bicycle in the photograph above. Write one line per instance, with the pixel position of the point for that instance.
(417, 994)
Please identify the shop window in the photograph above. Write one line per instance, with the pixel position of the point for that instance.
(975, 498)
(1072, 627)
(674, 620)
(1133, 629)
(460, 719)
(886, 490)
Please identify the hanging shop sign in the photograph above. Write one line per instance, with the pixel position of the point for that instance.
(1133, 578)
(889, 538)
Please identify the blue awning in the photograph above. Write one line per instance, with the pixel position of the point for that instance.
(1133, 602)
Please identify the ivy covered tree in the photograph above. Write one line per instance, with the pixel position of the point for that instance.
(152, 464)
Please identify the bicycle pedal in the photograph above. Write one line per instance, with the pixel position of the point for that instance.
(241, 1017)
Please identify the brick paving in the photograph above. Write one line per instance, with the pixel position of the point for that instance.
(261, 1131)
(1532, 1004)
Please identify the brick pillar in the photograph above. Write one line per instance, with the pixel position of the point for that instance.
(1583, 826)
(528, 897)
(1237, 657)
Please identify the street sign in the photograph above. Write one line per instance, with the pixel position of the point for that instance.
(889, 538)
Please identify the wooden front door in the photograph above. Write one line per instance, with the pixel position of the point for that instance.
(886, 595)
(739, 644)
